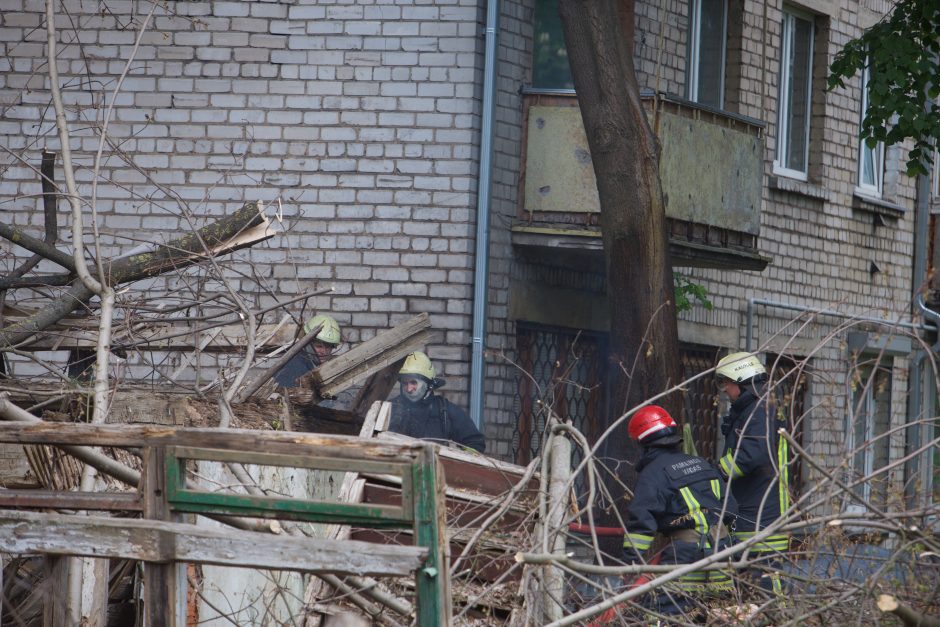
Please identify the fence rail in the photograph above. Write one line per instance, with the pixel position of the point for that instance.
(163, 493)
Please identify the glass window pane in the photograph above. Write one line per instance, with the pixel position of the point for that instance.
(550, 57)
(711, 52)
(870, 160)
(800, 70)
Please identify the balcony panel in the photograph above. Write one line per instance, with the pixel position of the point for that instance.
(711, 173)
(711, 168)
(559, 175)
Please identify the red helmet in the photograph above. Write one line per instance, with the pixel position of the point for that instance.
(650, 421)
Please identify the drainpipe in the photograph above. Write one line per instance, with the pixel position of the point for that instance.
(482, 258)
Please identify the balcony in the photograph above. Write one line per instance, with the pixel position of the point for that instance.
(712, 175)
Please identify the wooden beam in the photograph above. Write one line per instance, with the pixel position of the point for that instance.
(159, 541)
(377, 388)
(369, 357)
(162, 336)
(275, 442)
(54, 583)
(269, 459)
(160, 579)
(45, 499)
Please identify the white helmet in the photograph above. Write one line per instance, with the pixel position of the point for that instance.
(739, 367)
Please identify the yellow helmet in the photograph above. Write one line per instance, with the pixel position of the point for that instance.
(739, 367)
(419, 364)
(329, 332)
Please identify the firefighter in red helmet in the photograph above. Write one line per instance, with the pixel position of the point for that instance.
(683, 497)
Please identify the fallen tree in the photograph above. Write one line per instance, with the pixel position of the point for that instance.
(245, 227)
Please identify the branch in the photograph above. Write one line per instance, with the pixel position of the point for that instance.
(37, 246)
(103, 463)
(889, 604)
(177, 254)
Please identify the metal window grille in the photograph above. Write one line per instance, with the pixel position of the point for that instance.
(700, 401)
(564, 371)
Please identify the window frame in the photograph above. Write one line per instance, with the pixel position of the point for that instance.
(787, 34)
(865, 408)
(693, 57)
(877, 153)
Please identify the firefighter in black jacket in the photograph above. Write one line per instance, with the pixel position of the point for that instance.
(683, 497)
(420, 413)
(755, 458)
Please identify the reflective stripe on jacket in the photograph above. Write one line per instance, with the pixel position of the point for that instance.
(756, 459)
(675, 491)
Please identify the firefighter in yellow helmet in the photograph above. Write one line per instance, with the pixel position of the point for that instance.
(317, 352)
(420, 413)
(755, 458)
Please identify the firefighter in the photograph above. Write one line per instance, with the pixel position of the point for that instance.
(755, 458)
(319, 350)
(420, 413)
(683, 497)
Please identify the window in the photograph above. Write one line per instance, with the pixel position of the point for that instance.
(561, 369)
(869, 421)
(936, 174)
(550, 69)
(796, 79)
(870, 158)
(707, 27)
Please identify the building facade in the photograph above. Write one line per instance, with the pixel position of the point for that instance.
(362, 126)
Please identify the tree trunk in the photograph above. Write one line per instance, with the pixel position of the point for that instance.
(625, 153)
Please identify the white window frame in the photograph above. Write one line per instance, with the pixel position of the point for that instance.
(695, 44)
(936, 174)
(877, 154)
(790, 17)
(867, 411)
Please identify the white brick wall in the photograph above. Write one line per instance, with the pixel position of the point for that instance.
(363, 119)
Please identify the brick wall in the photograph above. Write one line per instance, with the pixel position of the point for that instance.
(359, 122)
(821, 247)
(363, 121)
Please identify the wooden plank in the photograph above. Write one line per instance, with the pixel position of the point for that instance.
(460, 513)
(430, 525)
(160, 584)
(363, 360)
(328, 420)
(489, 561)
(47, 499)
(55, 580)
(288, 509)
(476, 472)
(270, 459)
(376, 388)
(277, 442)
(159, 541)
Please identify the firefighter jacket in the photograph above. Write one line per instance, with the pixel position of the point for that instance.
(299, 365)
(435, 418)
(755, 460)
(675, 491)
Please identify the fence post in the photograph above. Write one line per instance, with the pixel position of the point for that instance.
(160, 585)
(433, 579)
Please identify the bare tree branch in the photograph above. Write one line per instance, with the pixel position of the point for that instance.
(177, 254)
